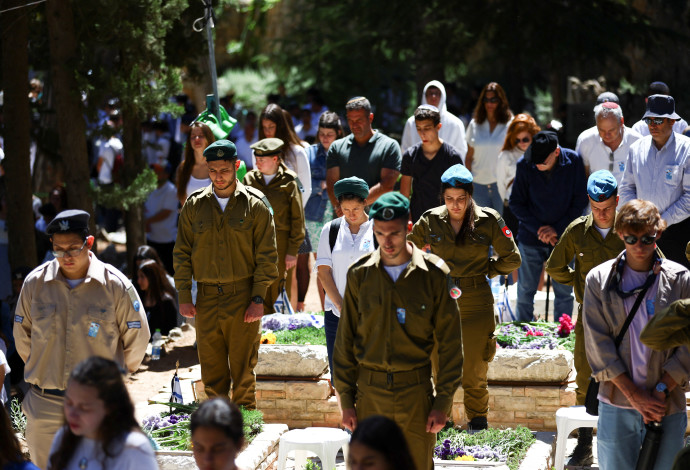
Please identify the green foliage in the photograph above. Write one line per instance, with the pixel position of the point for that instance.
(118, 197)
(311, 465)
(542, 104)
(308, 335)
(253, 421)
(17, 416)
(511, 442)
(250, 86)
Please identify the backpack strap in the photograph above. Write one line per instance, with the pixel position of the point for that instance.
(333, 232)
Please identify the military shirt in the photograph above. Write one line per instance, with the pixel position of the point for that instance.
(391, 326)
(581, 240)
(56, 327)
(219, 247)
(470, 258)
(285, 195)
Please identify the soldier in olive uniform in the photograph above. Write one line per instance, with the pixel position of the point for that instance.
(396, 309)
(462, 234)
(226, 241)
(591, 240)
(282, 189)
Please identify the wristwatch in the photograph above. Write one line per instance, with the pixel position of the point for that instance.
(257, 299)
(661, 387)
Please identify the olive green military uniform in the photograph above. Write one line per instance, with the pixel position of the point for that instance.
(581, 240)
(232, 255)
(469, 264)
(386, 334)
(285, 197)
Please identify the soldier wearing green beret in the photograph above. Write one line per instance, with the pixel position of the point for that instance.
(282, 189)
(226, 241)
(462, 234)
(396, 310)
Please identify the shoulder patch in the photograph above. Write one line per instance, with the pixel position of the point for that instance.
(134, 298)
(299, 184)
(258, 194)
(438, 262)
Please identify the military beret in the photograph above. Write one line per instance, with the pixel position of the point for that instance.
(220, 150)
(601, 185)
(457, 174)
(390, 206)
(70, 221)
(543, 144)
(351, 185)
(267, 147)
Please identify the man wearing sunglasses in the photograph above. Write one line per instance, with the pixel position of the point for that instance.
(69, 309)
(658, 170)
(637, 386)
(658, 88)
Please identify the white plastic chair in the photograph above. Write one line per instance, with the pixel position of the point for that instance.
(568, 419)
(324, 442)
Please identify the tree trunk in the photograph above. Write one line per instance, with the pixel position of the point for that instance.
(14, 25)
(133, 165)
(70, 117)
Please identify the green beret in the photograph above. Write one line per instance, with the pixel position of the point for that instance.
(390, 206)
(351, 185)
(69, 221)
(267, 147)
(220, 150)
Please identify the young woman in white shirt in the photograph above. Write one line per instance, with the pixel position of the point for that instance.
(192, 174)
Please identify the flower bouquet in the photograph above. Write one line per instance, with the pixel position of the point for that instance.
(537, 335)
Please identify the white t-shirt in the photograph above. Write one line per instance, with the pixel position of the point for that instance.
(162, 198)
(137, 454)
(505, 171)
(269, 178)
(348, 248)
(596, 155)
(487, 145)
(223, 201)
(107, 151)
(395, 271)
(298, 162)
(195, 183)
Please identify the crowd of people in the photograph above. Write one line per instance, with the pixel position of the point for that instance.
(405, 240)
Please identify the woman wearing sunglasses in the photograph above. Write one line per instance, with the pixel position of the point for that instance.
(518, 138)
(485, 135)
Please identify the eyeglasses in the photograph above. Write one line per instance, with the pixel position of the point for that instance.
(656, 121)
(69, 253)
(524, 140)
(645, 239)
(491, 100)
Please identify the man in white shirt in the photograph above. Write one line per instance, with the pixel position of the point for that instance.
(160, 216)
(658, 88)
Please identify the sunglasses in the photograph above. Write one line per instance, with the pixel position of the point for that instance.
(645, 239)
(491, 100)
(69, 253)
(656, 121)
(524, 140)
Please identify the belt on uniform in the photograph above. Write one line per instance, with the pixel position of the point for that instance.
(56, 392)
(220, 288)
(471, 281)
(395, 379)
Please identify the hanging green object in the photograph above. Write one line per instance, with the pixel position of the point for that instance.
(221, 128)
(241, 169)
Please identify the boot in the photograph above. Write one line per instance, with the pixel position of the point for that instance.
(582, 454)
(477, 423)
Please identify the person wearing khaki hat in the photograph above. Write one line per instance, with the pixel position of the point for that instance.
(283, 190)
(226, 242)
(658, 170)
(396, 310)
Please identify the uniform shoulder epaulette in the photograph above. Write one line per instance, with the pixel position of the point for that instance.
(300, 186)
(438, 262)
(362, 260)
(112, 270)
(196, 192)
(258, 194)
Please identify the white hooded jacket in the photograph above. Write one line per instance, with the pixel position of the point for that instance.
(452, 129)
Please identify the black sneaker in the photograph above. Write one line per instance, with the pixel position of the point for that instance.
(477, 424)
(581, 456)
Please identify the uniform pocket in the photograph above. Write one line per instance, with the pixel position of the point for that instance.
(490, 349)
(202, 225)
(239, 223)
(672, 175)
(101, 325)
(44, 321)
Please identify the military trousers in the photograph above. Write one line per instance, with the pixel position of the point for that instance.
(282, 238)
(228, 347)
(406, 398)
(44, 417)
(582, 369)
(478, 343)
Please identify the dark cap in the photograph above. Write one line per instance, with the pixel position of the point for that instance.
(659, 88)
(351, 185)
(390, 206)
(220, 150)
(607, 96)
(267, 147)
(601, 185)
(70, 221)
(662, 106)
(543, 144)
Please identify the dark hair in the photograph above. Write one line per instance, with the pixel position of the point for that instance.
(638, 215)
(106, 377)
(222, 414)
(10, 450)
(467, 228)
(423, 113)
(358, 103)
(351, 197)
(330, 120)
(61, 193)
(503, 113)
(384, 435)
(159, 286)
(145, 252)
(83, 233)
(284, 128)
(184, 171)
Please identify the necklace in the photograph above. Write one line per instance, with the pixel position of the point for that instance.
(83, 463)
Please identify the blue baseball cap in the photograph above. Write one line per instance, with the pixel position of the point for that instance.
(601, 185)
(457, 174)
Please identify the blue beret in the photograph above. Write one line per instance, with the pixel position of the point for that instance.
(220, 150)
(601, 185)
(351, 185)
(457, 174)
(390, 206)
(70, 221)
